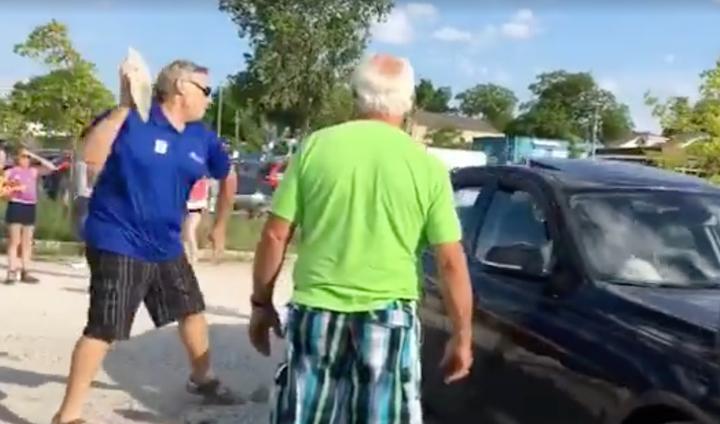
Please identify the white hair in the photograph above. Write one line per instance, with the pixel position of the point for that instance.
(378, 92)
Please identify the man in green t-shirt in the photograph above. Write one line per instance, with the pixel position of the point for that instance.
(367, 199)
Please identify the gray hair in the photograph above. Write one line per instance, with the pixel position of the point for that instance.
(378, 92)
(166, 83)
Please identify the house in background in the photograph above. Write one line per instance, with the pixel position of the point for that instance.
(505, 150)
(639, 146)
(422, 125)
(640, 139)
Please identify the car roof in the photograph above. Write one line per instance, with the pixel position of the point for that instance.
(586, 173)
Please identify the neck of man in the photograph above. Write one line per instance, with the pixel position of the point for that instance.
(395, 121)
(174, 114)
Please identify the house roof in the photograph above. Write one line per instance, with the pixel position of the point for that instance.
(442, 120)
(645, 138)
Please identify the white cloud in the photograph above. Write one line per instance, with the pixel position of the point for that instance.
(488, 74)
(610, 85)
(422, 10)
(399, 28)
(522, 25)
(452, 34)
(670, 58)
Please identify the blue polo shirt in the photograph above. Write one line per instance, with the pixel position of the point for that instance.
(139, 200)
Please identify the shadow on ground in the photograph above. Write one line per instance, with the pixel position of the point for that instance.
(152, 368)
(44, 272)
(12, 376)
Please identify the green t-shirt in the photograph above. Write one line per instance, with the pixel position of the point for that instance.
(366, 198)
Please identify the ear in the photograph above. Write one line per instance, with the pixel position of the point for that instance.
(180, 87)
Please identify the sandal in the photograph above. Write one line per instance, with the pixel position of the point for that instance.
(26, 278)
(12, 278)
(213, 392)
(56, 420)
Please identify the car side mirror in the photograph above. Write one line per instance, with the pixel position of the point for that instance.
(519, 258)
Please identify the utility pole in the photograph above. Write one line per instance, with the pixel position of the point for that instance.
(218, 121)
(237, 126)
(595, 131)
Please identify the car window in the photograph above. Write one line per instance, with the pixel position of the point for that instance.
(464, 201)
(650, 237)
(514, 218)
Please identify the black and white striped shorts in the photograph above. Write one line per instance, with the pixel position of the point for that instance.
(118, 284)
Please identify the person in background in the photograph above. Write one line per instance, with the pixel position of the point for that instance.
(82, 190)
(197, 206)
(367, 199)
(20, 213)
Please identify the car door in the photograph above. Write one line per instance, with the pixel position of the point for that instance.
(526, 369)
(471, 198)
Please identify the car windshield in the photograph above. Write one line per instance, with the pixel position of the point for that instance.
(651, 237)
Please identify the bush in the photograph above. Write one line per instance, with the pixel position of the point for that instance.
(55, 223)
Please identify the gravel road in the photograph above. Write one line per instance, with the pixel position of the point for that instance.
(142, 380)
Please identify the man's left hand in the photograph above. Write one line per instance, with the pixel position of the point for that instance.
(262, 320)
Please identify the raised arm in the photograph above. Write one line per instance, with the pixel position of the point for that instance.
(99, 137)
(46, 167)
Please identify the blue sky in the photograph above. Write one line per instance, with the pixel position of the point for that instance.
(629, 47)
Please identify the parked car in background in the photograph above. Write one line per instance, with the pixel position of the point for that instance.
(257, 180)
(596, 294)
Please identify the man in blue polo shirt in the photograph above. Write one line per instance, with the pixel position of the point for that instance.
(145, 170)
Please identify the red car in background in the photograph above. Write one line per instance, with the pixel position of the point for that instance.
(274, 173)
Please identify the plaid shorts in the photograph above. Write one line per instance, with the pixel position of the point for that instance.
(119, 284)
(354, 368)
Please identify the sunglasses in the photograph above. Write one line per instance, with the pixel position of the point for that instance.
(207, 91)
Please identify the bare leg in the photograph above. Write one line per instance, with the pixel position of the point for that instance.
(13, 247)
(194, 336)
(86, 360)
(26, 245)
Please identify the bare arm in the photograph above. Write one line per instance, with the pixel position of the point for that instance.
(269, 257)
(456, 288)
(444, 234)
(277, 234)
(99, 139)
(46, 167)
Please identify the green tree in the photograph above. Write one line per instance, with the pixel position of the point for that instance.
(302, 51)
(12, 123)
(570, 106)
(432, 99)
(679, 116)
(236, 120)
(66, 98)
(494, 103)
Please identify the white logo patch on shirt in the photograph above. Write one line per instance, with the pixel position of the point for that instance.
(194, 156)
(161, 147)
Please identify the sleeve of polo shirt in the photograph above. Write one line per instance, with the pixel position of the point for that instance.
(94, 122)
(218, 158)
(442, 224)
(286, 199)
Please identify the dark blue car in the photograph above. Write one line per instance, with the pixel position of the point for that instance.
(597, 297)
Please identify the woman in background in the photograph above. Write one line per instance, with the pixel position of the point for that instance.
(197, 206)
(21, 212)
